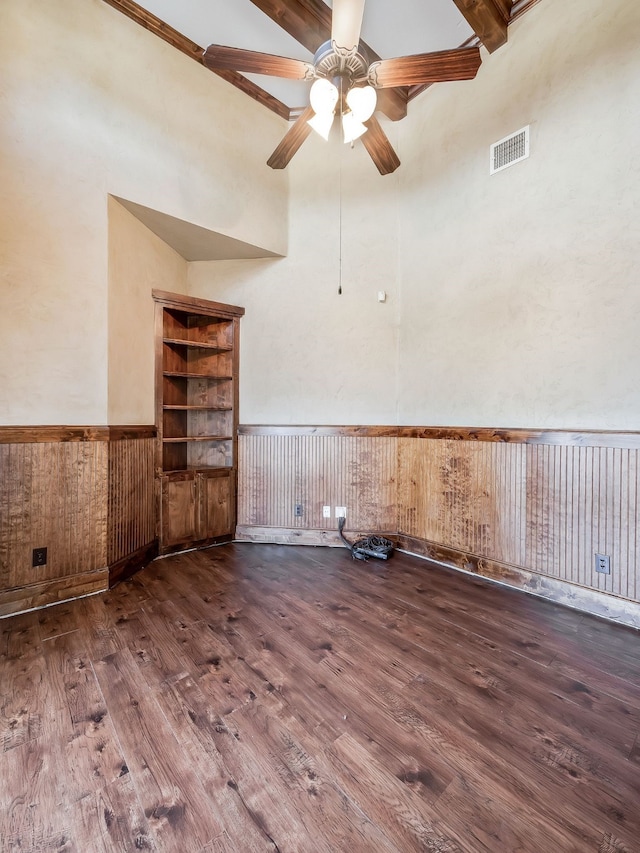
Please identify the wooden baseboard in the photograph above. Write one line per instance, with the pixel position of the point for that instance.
(296, 536)
(34, 596)
(128, 566)
(592, 601)
(46, 593)
(287, 536)
(189, 545)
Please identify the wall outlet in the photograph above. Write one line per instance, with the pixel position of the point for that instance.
(603, 564)
(341, 512)
(298, 510)
(39, 557)
(326, 512)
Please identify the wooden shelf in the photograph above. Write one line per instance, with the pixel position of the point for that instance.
(198, 408)
(197, 344)
(182, 438)
(197, 419)
(193, 375)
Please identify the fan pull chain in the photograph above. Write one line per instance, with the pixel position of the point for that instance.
(340, 205)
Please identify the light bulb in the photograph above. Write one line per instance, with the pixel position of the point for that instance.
(322, 124)
(362, 100)
(352, 128)
(323, 96)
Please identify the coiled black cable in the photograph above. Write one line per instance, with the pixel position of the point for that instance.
(368, 546)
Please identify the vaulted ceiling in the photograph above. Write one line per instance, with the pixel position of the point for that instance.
(297, 28)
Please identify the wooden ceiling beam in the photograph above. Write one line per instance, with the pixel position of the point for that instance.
(309, 22)
(488, 19)
(150, 22)
(505, 8)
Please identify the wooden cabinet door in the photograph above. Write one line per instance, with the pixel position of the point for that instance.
(216, 504)
(179, 510)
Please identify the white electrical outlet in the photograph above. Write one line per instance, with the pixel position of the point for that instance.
(341, 512)
(326, 512)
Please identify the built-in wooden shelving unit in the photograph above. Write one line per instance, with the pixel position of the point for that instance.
(197, 418)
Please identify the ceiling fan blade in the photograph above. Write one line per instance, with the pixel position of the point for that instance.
(346, 23)
(217, 58)
(458, 64)
(380, 150)
(292, 140)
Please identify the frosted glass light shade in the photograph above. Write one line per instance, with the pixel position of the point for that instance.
(362, 100)
(352, 128)
(323, 96)
(322, 124)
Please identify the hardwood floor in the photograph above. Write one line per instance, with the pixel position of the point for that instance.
(271, 698)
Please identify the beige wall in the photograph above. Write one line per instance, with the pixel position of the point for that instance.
(92, 104)
(138, 262)
(309, 355)
(514, 298)
(520, 291)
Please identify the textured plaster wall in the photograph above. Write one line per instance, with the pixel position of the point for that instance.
(514, 299)
(138, 262)
(520, 296)
(308, 354)
(92, 104)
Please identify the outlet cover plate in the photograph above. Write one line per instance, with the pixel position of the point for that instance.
(39, 557)
(341, 512)
(326, 512)
(603, 564)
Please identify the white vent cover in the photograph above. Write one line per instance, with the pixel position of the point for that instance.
(512, 149)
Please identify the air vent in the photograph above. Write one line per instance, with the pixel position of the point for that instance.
(512, 149)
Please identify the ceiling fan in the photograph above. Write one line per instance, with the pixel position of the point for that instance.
(345, 83)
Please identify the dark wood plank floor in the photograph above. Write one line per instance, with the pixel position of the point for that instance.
(265, 698)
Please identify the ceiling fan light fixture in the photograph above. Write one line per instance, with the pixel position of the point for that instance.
(323, 97)
(322, 124)
(362, 100)
(352, 129)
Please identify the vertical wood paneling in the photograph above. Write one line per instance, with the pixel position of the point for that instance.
(52, 495)
(89, 502)
(132, 502)
(582, 501)
(542, 507)
(276, 472)
(467, 495)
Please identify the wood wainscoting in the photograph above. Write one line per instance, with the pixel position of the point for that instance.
(132, 528)
(84, 493)
(528, 508)
(281, 469)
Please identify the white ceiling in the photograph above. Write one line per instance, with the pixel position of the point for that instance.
(391, 27)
